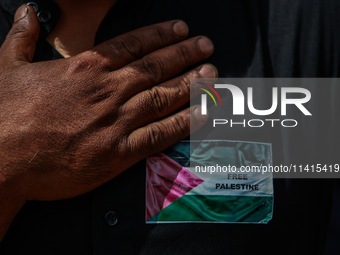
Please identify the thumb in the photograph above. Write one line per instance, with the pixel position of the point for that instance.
(21, 40)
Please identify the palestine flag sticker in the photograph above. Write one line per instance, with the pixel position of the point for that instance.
(210, 182)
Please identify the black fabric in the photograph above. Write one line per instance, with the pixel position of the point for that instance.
(291, 38)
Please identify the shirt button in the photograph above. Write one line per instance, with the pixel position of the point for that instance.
(44, 16)
(111, 218)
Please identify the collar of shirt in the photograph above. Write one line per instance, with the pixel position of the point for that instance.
(128, 14)
(47, 12)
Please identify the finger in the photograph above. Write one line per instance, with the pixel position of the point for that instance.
(161, 100)
(20, 42)
(160, 135)
(128, 47)
(163, 64)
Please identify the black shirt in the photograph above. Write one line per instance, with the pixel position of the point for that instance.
(291, 38)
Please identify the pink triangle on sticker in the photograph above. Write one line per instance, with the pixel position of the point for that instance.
(166, 182)
(184, 182)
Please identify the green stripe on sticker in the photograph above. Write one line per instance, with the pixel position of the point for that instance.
(230, 209)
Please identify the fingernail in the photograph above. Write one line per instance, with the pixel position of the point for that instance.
(207, 71)
(181, 28)
(34, 6)
(21, 13)
(206, 45)
(198, 114)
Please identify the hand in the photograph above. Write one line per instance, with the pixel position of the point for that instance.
(67, 126)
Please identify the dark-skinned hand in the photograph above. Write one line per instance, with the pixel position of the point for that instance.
(69, 125)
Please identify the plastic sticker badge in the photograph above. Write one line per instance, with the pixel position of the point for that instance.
(209, 182)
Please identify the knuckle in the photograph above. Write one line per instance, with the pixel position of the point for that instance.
(177, 128)
(125, 146)
(17, 30)
(160, 33)
(131, 44)
(181, 125)
(98, 94)
(148, 142)
(96, 60)
(160, 102)
(184, 87)
(153, 68)
(86, 62)
(155, 135)
(152, 103)
(20, 32)
(183, 53)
